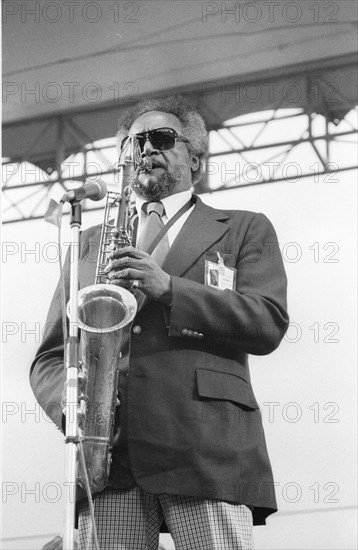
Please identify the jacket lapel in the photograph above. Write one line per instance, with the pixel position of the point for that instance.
(202, 228)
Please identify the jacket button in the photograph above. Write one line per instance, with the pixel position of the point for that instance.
(137, 329)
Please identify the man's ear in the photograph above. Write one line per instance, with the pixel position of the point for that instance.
(195, 163)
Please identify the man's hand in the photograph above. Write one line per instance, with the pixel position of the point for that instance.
(129, 264)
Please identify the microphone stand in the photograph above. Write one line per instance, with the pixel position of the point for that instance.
(71, 365)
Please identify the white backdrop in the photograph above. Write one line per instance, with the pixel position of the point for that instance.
(306, 389)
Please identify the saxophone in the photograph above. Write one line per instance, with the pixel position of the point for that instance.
(105, 312)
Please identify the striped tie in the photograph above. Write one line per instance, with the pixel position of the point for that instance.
(151, 228)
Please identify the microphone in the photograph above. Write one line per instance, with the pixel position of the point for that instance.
(94, 190)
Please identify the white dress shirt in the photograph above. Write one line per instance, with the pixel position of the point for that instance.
(172, 205)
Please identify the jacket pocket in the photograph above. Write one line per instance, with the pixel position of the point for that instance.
(225, 386)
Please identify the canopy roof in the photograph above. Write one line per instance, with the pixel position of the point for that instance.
(86, 61)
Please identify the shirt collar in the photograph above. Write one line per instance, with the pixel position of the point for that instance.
(172, 204)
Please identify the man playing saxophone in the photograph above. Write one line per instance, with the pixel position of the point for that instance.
(189, 446)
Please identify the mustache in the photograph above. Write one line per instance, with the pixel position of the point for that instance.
(156, 189)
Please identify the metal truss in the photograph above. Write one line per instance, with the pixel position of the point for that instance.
(320, 136)
(322, 163)
(29, 200)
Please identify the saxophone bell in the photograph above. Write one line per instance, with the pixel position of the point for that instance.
(104, 313)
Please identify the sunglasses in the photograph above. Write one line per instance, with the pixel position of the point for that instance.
(162, 139)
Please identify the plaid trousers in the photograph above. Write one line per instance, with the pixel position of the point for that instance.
(131, 520)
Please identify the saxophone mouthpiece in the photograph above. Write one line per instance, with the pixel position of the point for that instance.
(145, 164)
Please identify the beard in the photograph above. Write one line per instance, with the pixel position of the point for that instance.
(159, 186)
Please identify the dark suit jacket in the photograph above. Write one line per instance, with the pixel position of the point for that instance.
(191, 423)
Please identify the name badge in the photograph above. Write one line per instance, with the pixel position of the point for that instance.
(219, 275)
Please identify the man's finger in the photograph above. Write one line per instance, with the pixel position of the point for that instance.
(127, 251)
(127, 273)
(123, 283)
(120, 263)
